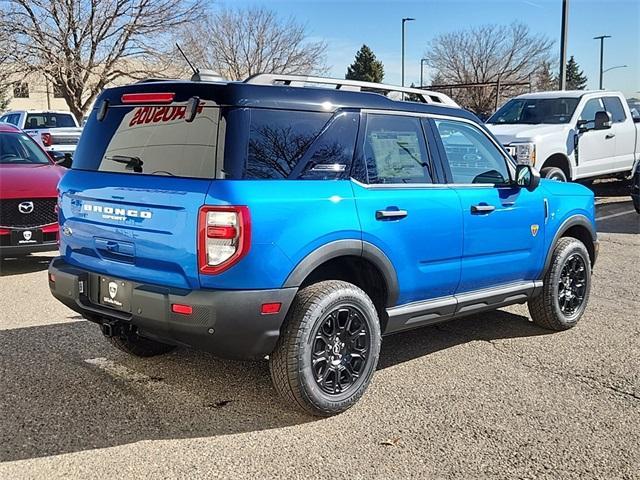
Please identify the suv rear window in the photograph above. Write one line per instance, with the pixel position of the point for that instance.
(151, 140)
(49, 120)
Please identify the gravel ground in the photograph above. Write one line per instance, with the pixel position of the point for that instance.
(490, 396)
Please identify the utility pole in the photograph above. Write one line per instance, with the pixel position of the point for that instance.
(422, 70)
(404, 20)
(601, 38)
(564, 30)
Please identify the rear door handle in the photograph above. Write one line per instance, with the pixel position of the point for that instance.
(609, 135)
(482, 209)
(391, 214)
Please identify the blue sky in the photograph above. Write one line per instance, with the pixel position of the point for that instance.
(346, 25)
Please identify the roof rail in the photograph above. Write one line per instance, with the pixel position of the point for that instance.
(426, 96)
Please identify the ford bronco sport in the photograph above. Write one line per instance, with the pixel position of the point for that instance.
(277, 217)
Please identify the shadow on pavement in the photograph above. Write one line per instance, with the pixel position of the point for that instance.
(611, 187)
(622, 218)
(54, 401)
(19, 265)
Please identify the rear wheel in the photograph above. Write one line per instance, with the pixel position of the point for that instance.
(328, 352)
(566, 289)
(138, 346)
(553, 173)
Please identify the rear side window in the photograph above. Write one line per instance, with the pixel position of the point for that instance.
(278, 139)
(48, 120)
(151, 140)
(614, 107)
(395, 150)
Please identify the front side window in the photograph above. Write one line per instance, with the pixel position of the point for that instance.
(471, 155)
(590, 108)
(395, 150)
(613, 105)
(278, 139)
(18, 148)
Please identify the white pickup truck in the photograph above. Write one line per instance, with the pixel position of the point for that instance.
(57, 131)
(570, 135)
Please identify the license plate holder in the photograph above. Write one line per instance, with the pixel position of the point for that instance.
(22, 238)
(114, 293)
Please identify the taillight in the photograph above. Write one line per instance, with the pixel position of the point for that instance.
(46, 139)
(224, 237)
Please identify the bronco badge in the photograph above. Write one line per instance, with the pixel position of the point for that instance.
(534, 229)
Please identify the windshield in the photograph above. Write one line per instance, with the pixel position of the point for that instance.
(48, 120)
(535, 111)
(18, 148)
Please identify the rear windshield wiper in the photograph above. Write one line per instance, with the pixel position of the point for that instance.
(131, 163)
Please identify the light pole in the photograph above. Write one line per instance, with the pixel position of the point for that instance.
(564, 29)
(613, 68)
(422, 60)
(404, 20)
(601, 38)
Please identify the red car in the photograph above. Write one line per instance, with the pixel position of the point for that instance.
(28, 195)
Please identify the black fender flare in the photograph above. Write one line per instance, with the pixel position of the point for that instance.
(341, 248)
(572, 221)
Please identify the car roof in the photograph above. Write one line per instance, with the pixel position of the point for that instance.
(564, 94)
(286, 97)
(8, 128)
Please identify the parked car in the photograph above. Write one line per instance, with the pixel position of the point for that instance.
(569, 135)
(28, 195)
(274, 217)
(56, 131)
(635, 187)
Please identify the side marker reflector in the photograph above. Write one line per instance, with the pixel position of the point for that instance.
(181, 309)
(270, 308)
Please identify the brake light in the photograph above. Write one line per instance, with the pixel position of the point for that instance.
(224, 237)
(46, 139)
(148, 97)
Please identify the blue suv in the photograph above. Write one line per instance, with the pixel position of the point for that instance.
(278, 217)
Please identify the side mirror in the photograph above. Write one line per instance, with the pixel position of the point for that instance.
(64, 161)
(527, 177)
(602, 120)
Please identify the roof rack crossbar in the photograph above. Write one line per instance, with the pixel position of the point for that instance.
(427, 96)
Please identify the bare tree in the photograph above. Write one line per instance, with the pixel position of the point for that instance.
(238, 43)
(486, 54)
(81, 46)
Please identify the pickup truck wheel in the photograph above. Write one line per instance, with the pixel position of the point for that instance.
(138, 346)
(553, 173)
(567, 284)
(329, 349)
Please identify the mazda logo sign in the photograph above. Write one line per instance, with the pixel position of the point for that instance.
(25, 207)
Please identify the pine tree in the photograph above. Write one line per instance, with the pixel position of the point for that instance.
(576, 79)
(365, 67)
(544, 79)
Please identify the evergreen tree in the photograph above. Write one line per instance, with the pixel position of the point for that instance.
(365, 67)
(576, 79)
(544, 78)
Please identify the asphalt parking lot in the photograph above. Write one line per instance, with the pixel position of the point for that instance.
(485, 396)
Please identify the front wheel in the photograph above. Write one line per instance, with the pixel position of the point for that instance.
(553, 173)
(328, 352)
(566, 289)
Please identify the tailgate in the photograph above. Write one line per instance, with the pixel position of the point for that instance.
(129, 206)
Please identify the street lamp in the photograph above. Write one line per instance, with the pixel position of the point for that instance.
(601, 38)
(404, 20)
(613, 68)
(422, 70)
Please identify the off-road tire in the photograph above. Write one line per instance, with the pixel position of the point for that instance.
(545, 308)
(138, 346)
(553, 173)
(291, 365)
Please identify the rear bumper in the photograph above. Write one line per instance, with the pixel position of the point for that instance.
(227, 323)
(27, 249)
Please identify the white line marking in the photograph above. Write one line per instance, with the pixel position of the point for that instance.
(614, 215)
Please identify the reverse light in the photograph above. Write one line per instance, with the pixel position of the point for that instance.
(224, 237)
(46, 139)
(148, 97)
